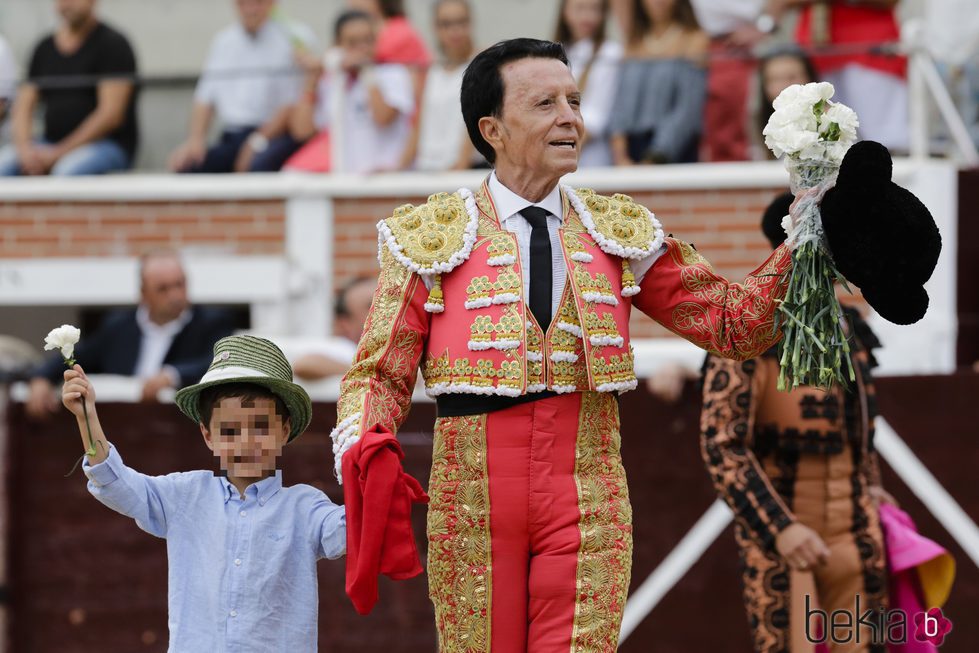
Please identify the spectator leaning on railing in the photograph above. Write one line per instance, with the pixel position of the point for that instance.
(164, 342)
(250, 80)
(438, 139)
(82, 78)
(659, 105)
(594, 61)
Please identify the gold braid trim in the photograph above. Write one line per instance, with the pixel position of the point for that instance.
(605, 554)
(459, 544)
(380, 383)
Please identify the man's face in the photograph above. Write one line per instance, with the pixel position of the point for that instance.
(358, 302)
(164, 289)
(540, 128)
(254, 13)
(76, 12)
(246, 436)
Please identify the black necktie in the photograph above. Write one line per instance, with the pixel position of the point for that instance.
(540, 265)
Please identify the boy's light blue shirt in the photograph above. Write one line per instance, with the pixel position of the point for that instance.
(242, 572)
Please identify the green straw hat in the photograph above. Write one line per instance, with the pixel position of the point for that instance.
(247, 359)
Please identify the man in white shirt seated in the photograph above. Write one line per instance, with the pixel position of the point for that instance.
(165, 342)
(250, 80)
(352, 307)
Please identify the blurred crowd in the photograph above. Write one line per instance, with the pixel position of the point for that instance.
(663, 81)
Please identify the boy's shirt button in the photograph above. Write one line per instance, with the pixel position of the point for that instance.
(233, 613)
(237, 562)
(242, 513)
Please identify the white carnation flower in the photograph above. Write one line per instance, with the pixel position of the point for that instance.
(65, 337)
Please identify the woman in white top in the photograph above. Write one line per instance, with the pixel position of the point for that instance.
(595, 65)
(439, 140)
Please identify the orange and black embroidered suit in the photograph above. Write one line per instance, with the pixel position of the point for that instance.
(805, 455)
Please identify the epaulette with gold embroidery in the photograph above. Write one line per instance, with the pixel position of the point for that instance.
(433, 238)
(618, 225)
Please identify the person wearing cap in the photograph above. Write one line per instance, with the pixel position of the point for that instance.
(800, 473)
(514, 300)
(242, 547)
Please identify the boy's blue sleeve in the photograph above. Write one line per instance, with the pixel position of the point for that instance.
(329, 522)
(150, 500)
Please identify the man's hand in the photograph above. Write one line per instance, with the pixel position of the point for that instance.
(801, 547)
(78, 389)
(47, 156)
(41, 400)
(153, 385)
(28, 156)
(188, 155)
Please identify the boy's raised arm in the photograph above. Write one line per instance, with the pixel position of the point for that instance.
(78, 395)
(147, 499)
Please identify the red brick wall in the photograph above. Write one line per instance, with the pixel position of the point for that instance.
(38, 229)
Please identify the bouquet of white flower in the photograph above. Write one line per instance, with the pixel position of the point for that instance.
(813, 134)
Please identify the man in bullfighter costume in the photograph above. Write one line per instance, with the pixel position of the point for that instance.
(514, 300)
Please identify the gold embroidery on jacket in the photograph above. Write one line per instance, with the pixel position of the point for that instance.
(605, 553)
(387, 356)
(753, 329)
(619, 218)
(459, 543)
(433, 232)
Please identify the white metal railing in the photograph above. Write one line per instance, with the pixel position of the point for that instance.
(925, 81)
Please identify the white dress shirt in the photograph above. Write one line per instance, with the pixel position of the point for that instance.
(508, 207)
(155, 343)
(248, 77)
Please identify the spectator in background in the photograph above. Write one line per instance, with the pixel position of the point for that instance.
(659, 104)
(873, 85)
(397, 40)
(372, 112)
(594, 61)
(353, 304)
(8, 83)
(89, 121)
(251, 78)
(165, 342)
(438, 139)
(778, 69)
(735, 27)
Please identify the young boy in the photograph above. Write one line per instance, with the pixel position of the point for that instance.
(242, 548)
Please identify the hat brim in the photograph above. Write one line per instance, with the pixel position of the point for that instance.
(295, 398)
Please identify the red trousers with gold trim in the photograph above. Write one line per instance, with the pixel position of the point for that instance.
(530, 528)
